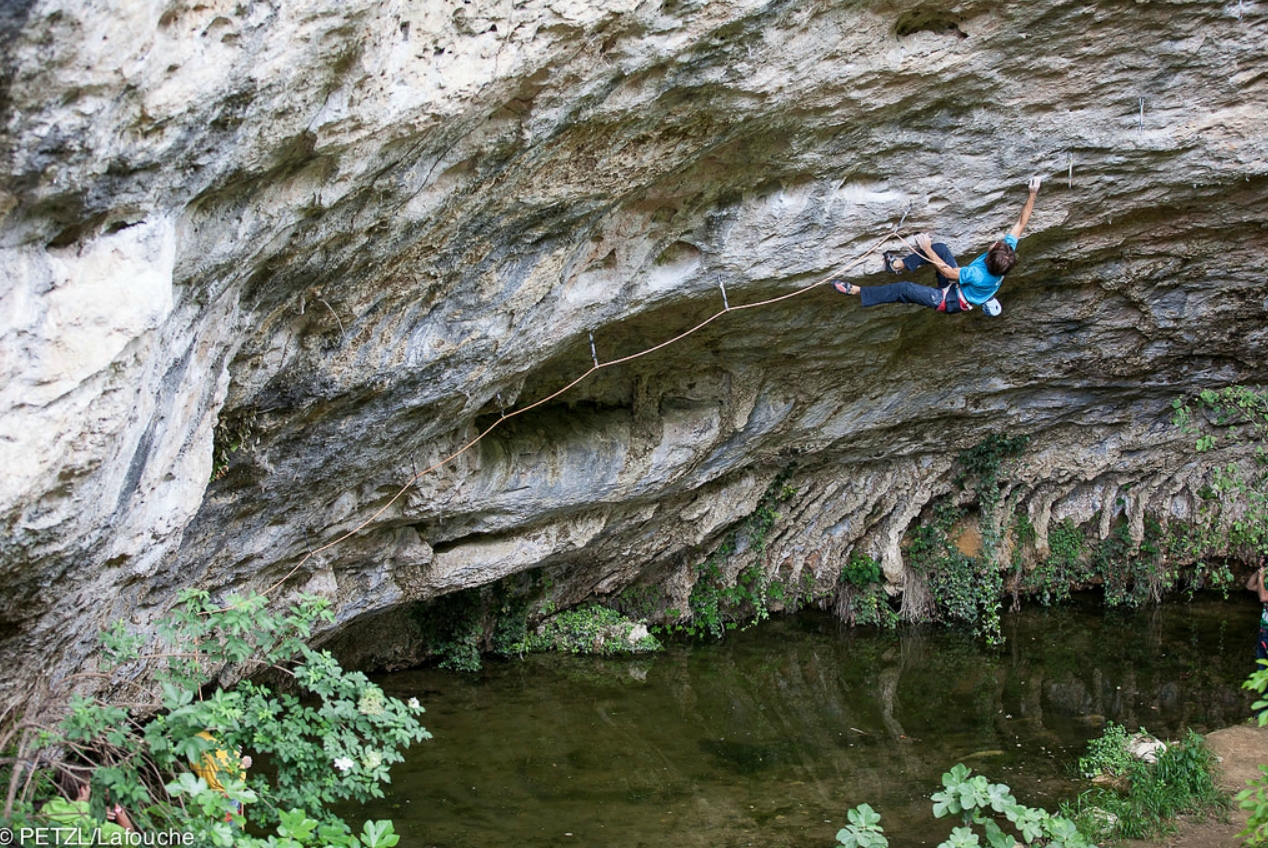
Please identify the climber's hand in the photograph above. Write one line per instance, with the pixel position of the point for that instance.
(1034, 184)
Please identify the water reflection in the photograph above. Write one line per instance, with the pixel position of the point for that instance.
(768, 738)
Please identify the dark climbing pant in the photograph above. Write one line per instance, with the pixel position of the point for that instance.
(913, 293)
(915, 260)
(907, 293)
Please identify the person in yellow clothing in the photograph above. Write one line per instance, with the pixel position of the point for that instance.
(218, 761)
(70, 817)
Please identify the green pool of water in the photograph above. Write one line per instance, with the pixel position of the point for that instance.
(769, 737)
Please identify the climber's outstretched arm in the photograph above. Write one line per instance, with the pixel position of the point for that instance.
(1022, 221)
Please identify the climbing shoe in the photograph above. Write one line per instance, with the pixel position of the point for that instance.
(890, 258)
(844, 286)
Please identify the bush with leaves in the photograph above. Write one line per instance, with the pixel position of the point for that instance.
(863, 599)
(963, 588)
(591, 629)
(864, 829)
(979, 804)
(1107, 754)
(719, 602)
(1233, 506)
(1254, 798)
(1180, 781)
(333, 740)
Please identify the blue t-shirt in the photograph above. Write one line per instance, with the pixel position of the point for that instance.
(978, 284)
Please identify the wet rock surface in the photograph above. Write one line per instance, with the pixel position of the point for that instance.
(263, 263)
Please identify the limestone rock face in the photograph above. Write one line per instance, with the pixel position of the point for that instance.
(265, 262)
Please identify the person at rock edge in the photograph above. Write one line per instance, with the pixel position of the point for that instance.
(958, 289)
(216, 762)
(1255, 583)
(71, 815)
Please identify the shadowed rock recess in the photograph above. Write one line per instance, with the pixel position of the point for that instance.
(262, 262)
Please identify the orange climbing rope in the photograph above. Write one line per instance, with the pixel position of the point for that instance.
(596, 367)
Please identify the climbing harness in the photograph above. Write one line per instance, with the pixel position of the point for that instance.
(598, 365)
(965, 306)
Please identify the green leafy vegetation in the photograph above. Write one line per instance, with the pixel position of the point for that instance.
(863, 596)
(1143, 799)
(979, 805)
(1232, 518)
(981, 466)
(1108, 754)
(964, 588)
(968, 588)
(861, 571)
(864, 829)
(1024, 536)
(1254, 798)
(718, 604)
(453, 627)
(332, 737)
(510, 606)
(1051, 580)
(1233, 507)
(591, 629)
(1131, 576)
(459, 628)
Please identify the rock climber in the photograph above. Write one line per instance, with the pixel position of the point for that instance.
(71, 818)
(958, 289)
(216, 762)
